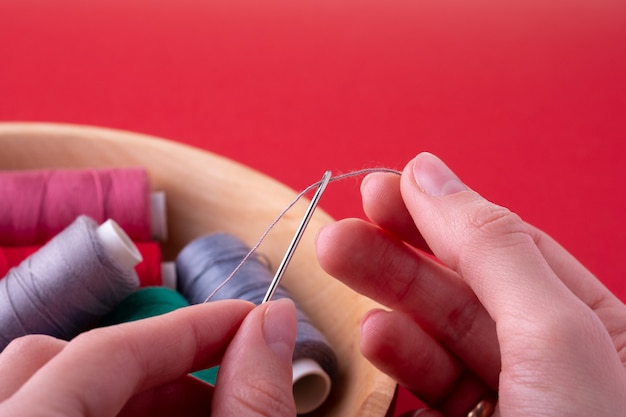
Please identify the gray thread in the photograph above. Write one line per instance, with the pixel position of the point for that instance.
(206, 260)
(284, 211)
(64, 287)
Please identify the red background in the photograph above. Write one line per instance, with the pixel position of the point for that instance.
(525, 99)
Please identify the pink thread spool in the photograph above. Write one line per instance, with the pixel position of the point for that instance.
(36, 205)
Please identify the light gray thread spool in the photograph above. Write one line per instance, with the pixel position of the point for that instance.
(64, 287)
(204, 263)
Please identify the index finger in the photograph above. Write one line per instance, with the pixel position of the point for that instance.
(99, 371)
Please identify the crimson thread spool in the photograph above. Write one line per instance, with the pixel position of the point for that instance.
(152, 271)
(204, 263)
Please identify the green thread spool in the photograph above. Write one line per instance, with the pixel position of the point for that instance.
(149, 302)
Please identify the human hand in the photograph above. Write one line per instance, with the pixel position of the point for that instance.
(141, 368)
(503, 310)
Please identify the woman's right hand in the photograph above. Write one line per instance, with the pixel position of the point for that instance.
(503, 311)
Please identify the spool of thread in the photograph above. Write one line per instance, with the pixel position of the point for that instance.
(69, 283)
(151, 270)
(36, 205)
(158, 216)
(11, 256)
(205, 262)
(149, 302)
(143, 303)
(168, 275)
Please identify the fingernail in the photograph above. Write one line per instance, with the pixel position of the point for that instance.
(434, 177)
(279, 328)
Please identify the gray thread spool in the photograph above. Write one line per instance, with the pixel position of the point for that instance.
(205, 262)
(64, 287)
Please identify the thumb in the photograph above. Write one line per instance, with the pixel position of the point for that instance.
(255, 376)
(490, 247)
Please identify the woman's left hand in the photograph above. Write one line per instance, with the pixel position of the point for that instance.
(141, 368)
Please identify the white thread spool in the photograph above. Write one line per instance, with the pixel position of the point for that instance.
(311, 385)
(118, 244)
(168, 275)
(158, 216)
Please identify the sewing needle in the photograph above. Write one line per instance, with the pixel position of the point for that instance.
(296, 238)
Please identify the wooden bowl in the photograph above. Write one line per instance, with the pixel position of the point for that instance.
(207, 193)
